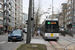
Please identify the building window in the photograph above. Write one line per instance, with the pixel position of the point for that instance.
(1, 14)
(1, 22)
(0, 6)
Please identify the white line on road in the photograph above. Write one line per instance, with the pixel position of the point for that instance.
(10, 42)
(2, 42)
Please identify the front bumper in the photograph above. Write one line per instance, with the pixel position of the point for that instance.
(52, 38)
(14, 38)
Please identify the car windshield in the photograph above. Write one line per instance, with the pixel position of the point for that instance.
(16, 32)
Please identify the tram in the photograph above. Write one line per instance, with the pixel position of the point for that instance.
(50, 29)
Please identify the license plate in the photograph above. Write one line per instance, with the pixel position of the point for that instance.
(14, 37)
(52, 35)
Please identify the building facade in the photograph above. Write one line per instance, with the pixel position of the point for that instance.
(1, 15)
(60, 18)
(25, 18)
(18, 13)
(9, 14)
(12, 14)
(69, 15)
(64, 12)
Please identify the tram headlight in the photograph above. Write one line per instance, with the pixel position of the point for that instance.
(47, 34)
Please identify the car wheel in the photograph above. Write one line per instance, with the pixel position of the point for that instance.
(22, 39)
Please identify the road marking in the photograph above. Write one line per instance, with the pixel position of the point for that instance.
(10, 42)
(52, 42)
(18, 42)
(2, 42)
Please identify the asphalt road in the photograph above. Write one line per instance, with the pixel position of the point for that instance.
(59, 45)
(5, 45)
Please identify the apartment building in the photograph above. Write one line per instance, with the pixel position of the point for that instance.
(9, 14)
(64, 11)
(1, 15)
(60, 18)
(18, 13)
(69, 15)
(12, 14)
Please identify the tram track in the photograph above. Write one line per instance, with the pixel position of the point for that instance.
(69, 40)
(56, 45)
(61, 46)
(72, 41)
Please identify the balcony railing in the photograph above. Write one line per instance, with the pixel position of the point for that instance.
(6, 24)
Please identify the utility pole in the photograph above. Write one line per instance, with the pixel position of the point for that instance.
(33, 21)
(52, 9)
(28, 39)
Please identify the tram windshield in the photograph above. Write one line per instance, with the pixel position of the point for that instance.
(51, 27)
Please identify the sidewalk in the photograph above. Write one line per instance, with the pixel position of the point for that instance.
(40, 40)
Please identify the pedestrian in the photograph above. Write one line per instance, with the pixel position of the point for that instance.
(36, 32)
(39, 32)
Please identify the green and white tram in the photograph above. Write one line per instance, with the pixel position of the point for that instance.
(50, 29)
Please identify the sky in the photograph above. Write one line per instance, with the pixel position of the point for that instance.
(45, 4)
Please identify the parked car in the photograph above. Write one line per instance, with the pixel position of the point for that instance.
(61, 29)
(16, 35)
(25, 30)
(1, 32)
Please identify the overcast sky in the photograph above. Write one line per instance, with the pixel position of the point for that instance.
(45, 5)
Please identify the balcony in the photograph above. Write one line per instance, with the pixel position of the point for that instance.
(7, 18)
(6, 4)
(6, 24)
(6, 11)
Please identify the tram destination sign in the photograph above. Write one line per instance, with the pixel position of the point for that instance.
(51, 22)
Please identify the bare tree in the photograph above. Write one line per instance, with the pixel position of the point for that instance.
(38, 13)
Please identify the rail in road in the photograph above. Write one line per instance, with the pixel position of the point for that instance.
(59, 46)
(56, 45)
(71, 45)
(63, 44)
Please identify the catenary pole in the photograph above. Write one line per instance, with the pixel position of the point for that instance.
(52, 9)
(28, 39)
